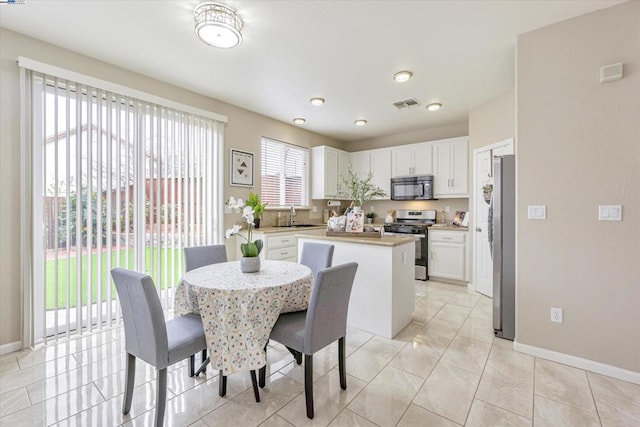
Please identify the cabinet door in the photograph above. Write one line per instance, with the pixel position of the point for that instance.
(330, 173)
(441, 169)
(360, 163)
(342, 169)
(447, 260)
(402, 161)
(422, 159)
(381, 170)
(460, 168)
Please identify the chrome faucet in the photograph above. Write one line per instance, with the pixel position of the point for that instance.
(292, 215)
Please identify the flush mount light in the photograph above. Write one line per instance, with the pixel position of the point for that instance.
(402, 76)
(217, 25)
(360, 122)
(316, 101)
(434, 106)
(299, 121)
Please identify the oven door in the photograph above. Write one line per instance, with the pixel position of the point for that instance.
(421, 257)
(421, 270)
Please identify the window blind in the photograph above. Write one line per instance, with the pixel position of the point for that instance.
(117, 182)
(285, 174)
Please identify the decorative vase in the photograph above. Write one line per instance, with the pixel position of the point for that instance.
(250, 264)
(256, 222)
(487, 197)
(369, 220)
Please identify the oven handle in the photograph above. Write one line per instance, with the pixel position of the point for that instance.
(387, 233)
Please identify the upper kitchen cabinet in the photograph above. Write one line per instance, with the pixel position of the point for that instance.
(328, 165)
(412, 159)
(451, 168)
(376, 162)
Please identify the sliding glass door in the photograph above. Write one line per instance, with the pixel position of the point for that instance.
(117, 182)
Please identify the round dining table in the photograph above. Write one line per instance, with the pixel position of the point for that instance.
(239, 309)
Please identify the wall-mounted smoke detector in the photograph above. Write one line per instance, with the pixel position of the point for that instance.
(406, 103)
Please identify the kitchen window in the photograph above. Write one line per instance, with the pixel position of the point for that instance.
(285, 174)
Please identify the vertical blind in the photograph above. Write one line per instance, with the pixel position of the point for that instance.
(285, 174)
(117, 182)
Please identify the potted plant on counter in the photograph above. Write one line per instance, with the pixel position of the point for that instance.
(258, 208)
(370, 216)
(250, 261)
(359, 190)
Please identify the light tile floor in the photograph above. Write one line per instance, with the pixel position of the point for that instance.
(444, 369)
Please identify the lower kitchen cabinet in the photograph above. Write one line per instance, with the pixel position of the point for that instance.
(281, 246)
(448, 254)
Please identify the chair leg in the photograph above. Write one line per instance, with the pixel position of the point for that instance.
(308, 384)
(161, 396)
(192, 362)
(203, 367)
(128, 388)
(254, 383)
(203, 358)
(263, 371)
(222, 385)
(296, 355)
(341, 364)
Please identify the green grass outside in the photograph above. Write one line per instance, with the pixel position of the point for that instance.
(106, 282)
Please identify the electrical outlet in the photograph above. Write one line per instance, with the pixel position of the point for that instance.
(447, 209)
(314, 209)
(556, 315)
(372, 208)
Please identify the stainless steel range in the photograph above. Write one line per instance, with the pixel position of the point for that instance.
(415, 223)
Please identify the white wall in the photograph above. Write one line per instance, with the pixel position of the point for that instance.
(578, 145)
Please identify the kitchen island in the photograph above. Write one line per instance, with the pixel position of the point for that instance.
(382, 299)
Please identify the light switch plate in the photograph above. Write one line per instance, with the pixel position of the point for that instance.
(609, 212)
(536, 212)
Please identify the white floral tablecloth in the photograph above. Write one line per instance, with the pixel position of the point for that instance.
(239, 309)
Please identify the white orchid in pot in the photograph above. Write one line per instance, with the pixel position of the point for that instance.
(250, 262)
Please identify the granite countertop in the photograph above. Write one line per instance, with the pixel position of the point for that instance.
(436, 227)
(269, 230)
(376, 241)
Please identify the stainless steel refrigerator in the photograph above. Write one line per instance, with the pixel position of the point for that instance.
(504, 246)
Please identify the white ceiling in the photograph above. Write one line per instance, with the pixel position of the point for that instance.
(460, 52)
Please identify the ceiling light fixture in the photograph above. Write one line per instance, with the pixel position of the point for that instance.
(360, 122)
(299, 121)
(434, 106)
(402, 76)
(217, 25)
(316, 101)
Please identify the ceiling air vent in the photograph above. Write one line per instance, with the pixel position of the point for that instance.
(406, 103)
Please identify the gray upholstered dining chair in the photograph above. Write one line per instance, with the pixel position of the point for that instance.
(324, 322)
(316, 256)
(149, 337)
(196, 257)
(199, 256)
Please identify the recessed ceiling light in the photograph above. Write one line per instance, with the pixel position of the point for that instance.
(434, 106)
(402, 76)
(299, 121)
(360, 122)
(316, 101)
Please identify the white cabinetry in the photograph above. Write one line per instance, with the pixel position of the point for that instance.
(451, 168)
(282, 246)
(328, 165)
(448, 254)
(376, 162)
(412, 159)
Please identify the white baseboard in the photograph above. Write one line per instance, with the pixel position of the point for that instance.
(10, 347)
(578, 362)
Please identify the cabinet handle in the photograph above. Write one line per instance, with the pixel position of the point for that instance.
(479, 230)
(446, 238)
(283, 253)
(284, 241)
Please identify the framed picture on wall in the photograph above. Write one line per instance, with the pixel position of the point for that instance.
(241, 168)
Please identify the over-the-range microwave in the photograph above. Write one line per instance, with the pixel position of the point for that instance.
(418, 187)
